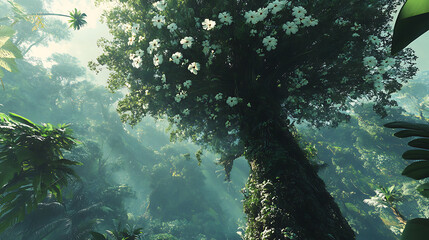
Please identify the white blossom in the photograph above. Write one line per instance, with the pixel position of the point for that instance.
(262, 13)
(208, 24)
(313, 22)
(225, 18)
(158, 21)
(219, 96)
(370, 61)
(356, 27)
(135, 28)
(153, 45)
(276, 6)
(176, 57)
(187, 83)
(306, 21)
(137, 62)
(186, 112)
(194, 68)
(163, 78)
(131, 40)
(290, 28)
(232, 101)
(251, 17)
(374, 39)
(177, 118)
(227, 124)
(160, 5)
(187, 42)
(172, 27)
(270, 43)
(388, 62)
(141, 38)
(132, 56)
(298, 12)
(378, 77)
(140, 52)
(157, 60)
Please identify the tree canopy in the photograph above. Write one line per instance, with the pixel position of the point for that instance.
(213, 66)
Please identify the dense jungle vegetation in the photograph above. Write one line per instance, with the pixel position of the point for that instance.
(189, 131)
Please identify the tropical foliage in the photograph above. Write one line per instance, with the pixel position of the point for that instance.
(410, 24)
(32, 165)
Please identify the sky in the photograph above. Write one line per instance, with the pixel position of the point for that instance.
(83, 42)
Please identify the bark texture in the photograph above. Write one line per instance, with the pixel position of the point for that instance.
(284, 196)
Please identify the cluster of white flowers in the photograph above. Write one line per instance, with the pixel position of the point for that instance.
(219, 96)
(232, 101)
(341, 21)
(268, 233)
(259, 15)
(378, 201)
(377, 69)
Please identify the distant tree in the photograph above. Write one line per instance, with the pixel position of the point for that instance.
(234, 76)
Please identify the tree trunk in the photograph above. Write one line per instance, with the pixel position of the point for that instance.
(284, 196)
(398, 215)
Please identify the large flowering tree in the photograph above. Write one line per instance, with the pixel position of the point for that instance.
(234, 76)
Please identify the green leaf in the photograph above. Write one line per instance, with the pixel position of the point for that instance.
(424, 190)
(5, 34)
(9, 64)
(417, 170)
(416, 229)
(416, 155)
(9, 46)
(24, 120)
(412, 133)
(407, 125)
(97, 236)
(420, 143)
(413, 21)
(6, 54)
